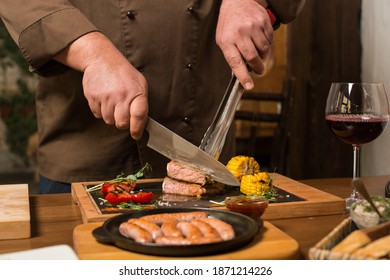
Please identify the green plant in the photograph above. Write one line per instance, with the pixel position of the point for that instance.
(17, 106)
(10, 55)
(20, 119)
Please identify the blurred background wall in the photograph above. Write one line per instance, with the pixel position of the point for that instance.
(375, 26)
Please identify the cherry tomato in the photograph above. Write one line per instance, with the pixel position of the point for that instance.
(107, 187)
(127, 185)
(122, 186)
(117, 198)
(142, 197)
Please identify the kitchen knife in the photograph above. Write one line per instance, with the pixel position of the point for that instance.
(177, 148)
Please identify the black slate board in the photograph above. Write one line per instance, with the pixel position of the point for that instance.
(167, 201)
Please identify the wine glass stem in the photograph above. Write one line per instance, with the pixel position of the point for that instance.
(356, 161)
(356, 171)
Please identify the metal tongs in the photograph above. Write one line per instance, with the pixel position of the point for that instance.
(214, 138)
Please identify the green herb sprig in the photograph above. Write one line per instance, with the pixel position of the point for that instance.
(121, 178)
(134, 206)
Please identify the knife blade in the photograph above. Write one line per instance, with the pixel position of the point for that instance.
(174, 147)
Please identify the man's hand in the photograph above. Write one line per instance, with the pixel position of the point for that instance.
(115, 90)
(244, 34)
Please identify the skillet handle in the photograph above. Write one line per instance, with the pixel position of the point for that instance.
(101, 235)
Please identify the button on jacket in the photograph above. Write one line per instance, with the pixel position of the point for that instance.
(171, 42)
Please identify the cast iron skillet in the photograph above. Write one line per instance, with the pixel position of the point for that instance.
(245, 229)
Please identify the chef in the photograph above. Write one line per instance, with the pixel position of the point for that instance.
(105, 66)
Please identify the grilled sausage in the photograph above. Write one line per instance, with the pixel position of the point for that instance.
(154, 229)
(206, 229)
(135, 232)
(185, 228)
(172, 240)
(169, 228)
(182, 216)
(189, 216)
(224, 229)
(189, 230)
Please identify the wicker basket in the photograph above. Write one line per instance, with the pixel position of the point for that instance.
(322, 250)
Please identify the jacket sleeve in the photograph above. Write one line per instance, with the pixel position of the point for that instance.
(286, 10)
(42, 28)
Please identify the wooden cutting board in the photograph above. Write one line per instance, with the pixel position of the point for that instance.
(269, 244)
(14, 212)
(314, 202)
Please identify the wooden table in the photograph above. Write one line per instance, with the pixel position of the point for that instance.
(54, 216)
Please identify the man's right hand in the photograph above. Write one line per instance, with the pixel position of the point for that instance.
(115, 90)
(244, 34)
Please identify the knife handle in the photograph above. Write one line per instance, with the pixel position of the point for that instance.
(215, 136)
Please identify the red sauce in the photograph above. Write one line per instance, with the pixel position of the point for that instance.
(248, 205)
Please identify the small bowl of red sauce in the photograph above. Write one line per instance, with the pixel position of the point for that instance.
(252, 206)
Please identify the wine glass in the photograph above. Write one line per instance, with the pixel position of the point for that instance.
(357, 113)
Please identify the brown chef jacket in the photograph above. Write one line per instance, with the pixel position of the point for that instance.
(171, 42)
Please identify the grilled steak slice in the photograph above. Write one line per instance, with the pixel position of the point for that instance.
(173, 197)
(173, 186)
(183, 172)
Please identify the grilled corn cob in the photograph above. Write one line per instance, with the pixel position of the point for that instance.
(242, 165)
(256, 184)
(247, 171)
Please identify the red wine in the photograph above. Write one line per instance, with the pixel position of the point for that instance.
(356, 129)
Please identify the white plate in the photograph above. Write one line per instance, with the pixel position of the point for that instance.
(57, 252)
